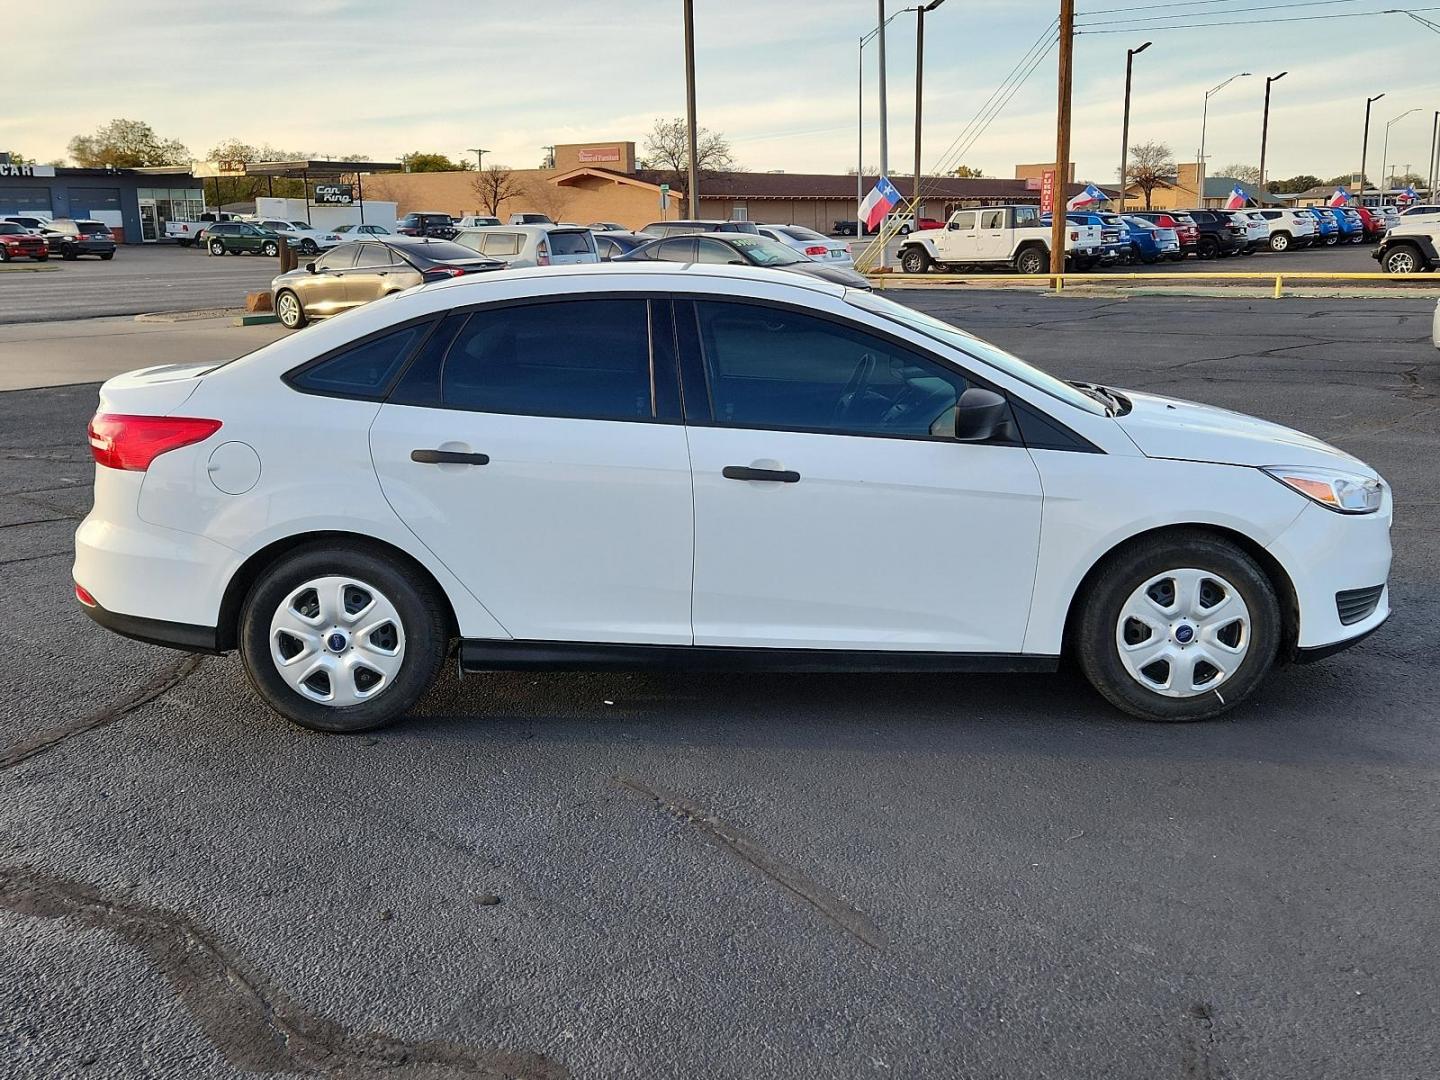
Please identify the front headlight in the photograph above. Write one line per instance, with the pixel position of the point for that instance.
(1343, 492)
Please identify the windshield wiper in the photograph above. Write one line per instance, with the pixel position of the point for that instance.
(1100, 394)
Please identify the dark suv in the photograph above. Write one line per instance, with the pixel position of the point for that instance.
(439, 226)
(71, 239)
(1219, 234)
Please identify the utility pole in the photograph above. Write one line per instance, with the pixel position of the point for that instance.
(919, 79)
(1365, 147)
(1130, 55)
(692, 180)
(1062, 137)
(1434, 174)
(860, 142)
(1265, 125)
(884, 114)
(479, 157)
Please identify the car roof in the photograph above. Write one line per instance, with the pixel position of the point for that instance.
(594, 275)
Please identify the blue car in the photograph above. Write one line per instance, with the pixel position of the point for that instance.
(1327, 230)
(1348, 230)
(1147, 244)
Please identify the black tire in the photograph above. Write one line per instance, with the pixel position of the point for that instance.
(1208, 248)
(1332, 240)
(292, 318)
(423, 622)
(217, 247)
(1098, 624)
(69, 256)
(1030, 261)
(42, 258)
(308, 247)
(914, 260)
(1403, 259)
(270, 249)
(4, 254)
(1279, 242)
(107, 256)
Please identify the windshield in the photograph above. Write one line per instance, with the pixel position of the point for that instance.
(438, 251)
(996, 357)
(764, 252)
(8, 229)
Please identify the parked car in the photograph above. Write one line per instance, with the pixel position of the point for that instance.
(31, 224)
(741, 249)
(1014, 236)
(1410, 247)
(810, 243)
(1149, 243)
(1354, 224)
(188, 233)
(689, 228)
(1327, 230)
(1257, 230)
(1374, 224)
(1114, 233)
(510, 462)
(532, 245)
(530, 219)
(477, 221)
(18, 242)
(611, 244)
(1184, 225)
(360, 232)
(301, 236)
(241, 237)
(427, 223)
(70, 238)
(845, 227)
(1288, 228)
(606, 226)
(357, 273)
(1418, 210)
(1219, 235)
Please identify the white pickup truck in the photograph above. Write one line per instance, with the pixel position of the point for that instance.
(992, 235)
(186, 232)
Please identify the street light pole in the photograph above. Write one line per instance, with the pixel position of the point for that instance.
(1434, 154)
(884, 116)
(1265, 124)
(919, 80)
(860, 121)
(1385, 152)
(479, 157)
(692, 179)
(1130, 55)
(1204, 121)
(1365, 146)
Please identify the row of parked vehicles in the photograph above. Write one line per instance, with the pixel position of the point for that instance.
(25, 237)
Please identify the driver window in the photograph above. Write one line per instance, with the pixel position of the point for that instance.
(963, 220)
(992, 219)
(1026, 217)
(777, 368)
(340, 258)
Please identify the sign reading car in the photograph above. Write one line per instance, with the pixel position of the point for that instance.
(27, 170)
(334, 194)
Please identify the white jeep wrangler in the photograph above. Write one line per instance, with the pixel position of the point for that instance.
(991, 235)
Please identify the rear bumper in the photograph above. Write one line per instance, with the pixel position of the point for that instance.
(186, 637)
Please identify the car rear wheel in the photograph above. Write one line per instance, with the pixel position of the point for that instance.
(217, 248)
(270, 249)
(1030, 261)
(107, 256)
(308, 247)
(1208, 248)
(1179, 627)
(1331, 240)
(1279, 241)
(289, 310)
(1402, 259)
(337, 638)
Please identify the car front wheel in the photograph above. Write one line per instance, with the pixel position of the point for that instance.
(217, 248)
(1402, 260)
(1280, 242)
(1179, 627)
(914, 261)
(270, 249)
(340, 638)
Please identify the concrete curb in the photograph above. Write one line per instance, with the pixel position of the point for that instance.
(257, 318)
(187, 316)
(32, 267)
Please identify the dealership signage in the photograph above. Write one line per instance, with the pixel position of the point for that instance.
(599, 153)
(27, 170)
(1047, 191)
(334, 194)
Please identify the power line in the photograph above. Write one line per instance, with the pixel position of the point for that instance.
(1140, 26)
(1230, 11)
(1152, 7)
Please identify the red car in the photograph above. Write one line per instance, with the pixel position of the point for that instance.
(17, 242)
(929, 223)
(1374, 223)
(1183, 224)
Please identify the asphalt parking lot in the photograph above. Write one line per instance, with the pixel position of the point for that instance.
(686, 876)
(166, 278)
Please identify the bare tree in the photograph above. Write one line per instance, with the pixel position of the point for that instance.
(1151, 165)
(494, 186)
(667, 150)
(1249, 174)
(541, 196)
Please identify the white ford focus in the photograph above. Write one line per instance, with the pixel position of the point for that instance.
(706, 467)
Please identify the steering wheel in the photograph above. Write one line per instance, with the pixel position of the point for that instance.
(858, 379)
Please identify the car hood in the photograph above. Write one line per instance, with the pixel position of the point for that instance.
(1184, 430)
(837, 274)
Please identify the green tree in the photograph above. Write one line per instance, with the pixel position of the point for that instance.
(967, 172)
(1294, 185)
(17, 158)
(126, 144)
(420, 161)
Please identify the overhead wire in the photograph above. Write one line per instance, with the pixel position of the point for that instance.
(1140, 25)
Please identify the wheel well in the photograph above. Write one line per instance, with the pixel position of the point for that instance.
(1279, 579)
(228, 625)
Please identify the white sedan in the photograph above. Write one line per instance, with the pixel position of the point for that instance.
(301, 236)
(811, 243)
(701, 467)
(360, 232)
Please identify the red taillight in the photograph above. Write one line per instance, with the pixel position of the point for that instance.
(1074, 235)
(542, 256)
(120, 441)
(816, 249)
(83, 595)
(446, 271)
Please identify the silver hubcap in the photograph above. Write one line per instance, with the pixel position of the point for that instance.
(337, 640)
(1183, 633)
(289, 310)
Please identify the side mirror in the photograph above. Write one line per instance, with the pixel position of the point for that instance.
(310, 266)
(979, 415)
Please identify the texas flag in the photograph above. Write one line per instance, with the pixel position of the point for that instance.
(1409, 194)
(878, 203)
(1340, 198)
(1237, 199)
(1089, 197)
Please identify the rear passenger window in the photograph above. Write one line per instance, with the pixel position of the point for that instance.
(587, 359)
(501, 243)
(364, 370)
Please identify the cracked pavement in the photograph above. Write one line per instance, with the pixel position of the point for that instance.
(658, 875)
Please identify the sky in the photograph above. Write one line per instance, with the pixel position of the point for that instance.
(386, 77)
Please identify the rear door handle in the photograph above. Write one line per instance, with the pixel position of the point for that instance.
(744, 472)
(448, 457)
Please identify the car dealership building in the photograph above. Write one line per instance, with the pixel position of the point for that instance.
(134, 203)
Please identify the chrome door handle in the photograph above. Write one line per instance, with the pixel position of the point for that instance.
(448, 457)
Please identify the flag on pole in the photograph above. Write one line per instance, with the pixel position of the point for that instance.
(881, 200)
(1340, 198)
(1238, 198)
(1409, 194)
(1089, 197)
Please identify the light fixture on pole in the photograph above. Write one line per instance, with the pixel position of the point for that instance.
(1204, 121)
(1385, 151)
(919, 78)
(479, 156)
(1365, 145)
(1265, 124)
(1130, 55)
